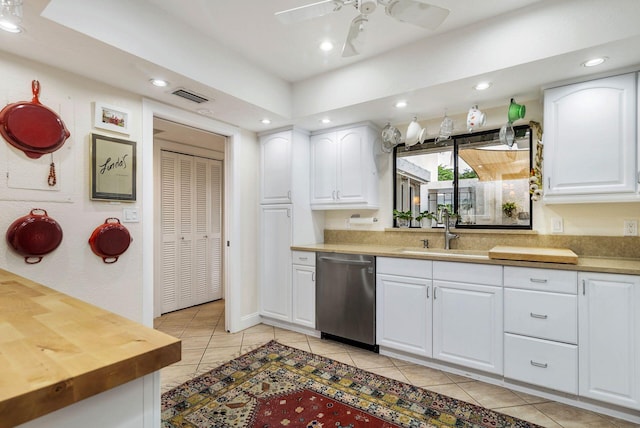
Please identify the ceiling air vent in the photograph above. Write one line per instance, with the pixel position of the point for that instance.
(190, 96)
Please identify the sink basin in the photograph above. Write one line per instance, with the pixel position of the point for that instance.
(468, 254)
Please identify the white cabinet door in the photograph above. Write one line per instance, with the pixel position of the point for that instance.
(609, 338)
(403, 308)
(351, 187)
(324, 164)
(467, 325)
(275, 162)
(343, 171)
(275, 266)
(590, 141)
(304, 295)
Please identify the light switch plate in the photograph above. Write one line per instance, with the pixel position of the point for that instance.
(556, 225)
(130, 215)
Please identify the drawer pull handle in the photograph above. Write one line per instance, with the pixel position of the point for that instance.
(541, 365)
(538, 280)
(303, 258)
(539, 316)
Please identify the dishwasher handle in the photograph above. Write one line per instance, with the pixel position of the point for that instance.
(345, 261)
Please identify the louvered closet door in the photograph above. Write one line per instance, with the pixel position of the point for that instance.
(191, 211)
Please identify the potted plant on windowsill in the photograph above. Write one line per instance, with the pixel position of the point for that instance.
(425, 215)
(403, 218)
(509, 209)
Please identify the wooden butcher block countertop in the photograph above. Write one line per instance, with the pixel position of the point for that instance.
(534, 254)
(56, 350)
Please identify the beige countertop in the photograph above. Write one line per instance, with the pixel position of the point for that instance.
(586, 264)
(56, 350)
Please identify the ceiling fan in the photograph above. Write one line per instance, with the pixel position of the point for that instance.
(416, 12)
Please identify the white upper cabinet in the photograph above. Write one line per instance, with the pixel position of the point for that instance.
(275, 161)
(590, 142)
(284, 170)
(343, 170)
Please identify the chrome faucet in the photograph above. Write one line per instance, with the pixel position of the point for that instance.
(448, 236)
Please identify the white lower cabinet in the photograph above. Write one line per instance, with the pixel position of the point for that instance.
(467, 317)
(275, 266)
(609, 337)
(403, 305)
(541, 327)
(304, 289)
(467, 325)
(541, 362)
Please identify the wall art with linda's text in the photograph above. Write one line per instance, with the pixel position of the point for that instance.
(113, 169)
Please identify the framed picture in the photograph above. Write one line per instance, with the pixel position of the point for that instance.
(111, 118)
(113, 169)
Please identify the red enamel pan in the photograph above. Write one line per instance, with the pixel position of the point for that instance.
(110, 240)
(32, 127)
(34, 235)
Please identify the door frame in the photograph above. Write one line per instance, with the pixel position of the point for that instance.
(232, 232)
(231, 205)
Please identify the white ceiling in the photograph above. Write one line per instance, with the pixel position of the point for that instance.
(251, 66)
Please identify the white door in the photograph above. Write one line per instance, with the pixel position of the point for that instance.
(609, 338)
(467, 325)
(323, 168)
(190, 224)
(275, 268)
(403, 308)
(590, 137)
(304, 295)
(275, 159)
(351, 166)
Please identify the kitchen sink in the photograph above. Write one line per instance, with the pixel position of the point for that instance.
(468, 254)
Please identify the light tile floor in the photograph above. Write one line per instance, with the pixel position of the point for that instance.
(206, 344)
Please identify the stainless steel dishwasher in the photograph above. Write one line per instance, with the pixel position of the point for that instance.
(346, 298)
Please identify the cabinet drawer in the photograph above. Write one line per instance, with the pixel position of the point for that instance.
(404, 267)
(550, 316)
(468, 272)
(305, 258)
(559, 281)
(541, 362)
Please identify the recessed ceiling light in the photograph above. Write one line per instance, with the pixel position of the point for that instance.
(482, 86)
(401, 104)
(326, 46)
(325, 120)
(10, 27)
(265, 121)
(159, 83)
(595, 61)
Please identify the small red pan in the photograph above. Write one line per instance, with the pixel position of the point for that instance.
(110, 240)
(32, 127)
(34, 235)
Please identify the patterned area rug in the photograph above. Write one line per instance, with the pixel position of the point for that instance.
(279, 386)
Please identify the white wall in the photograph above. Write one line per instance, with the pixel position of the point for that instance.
(578, 219)
(72, 268)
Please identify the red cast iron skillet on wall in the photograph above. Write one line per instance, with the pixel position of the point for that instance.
(32, 127)
(34, 235)
(110, 240)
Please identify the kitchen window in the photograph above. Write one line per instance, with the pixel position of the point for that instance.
(476, 176)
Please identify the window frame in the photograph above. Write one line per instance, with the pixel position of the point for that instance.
(488, 135)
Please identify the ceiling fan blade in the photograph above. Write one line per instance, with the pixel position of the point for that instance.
(418, 13)
(355, 38)
(309, 11)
